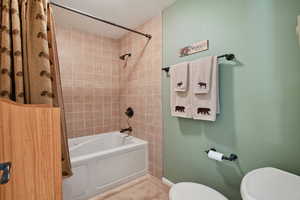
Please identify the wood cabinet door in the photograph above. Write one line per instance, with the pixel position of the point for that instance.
(30, 142)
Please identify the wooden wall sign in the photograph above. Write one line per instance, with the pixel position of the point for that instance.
(194, 48)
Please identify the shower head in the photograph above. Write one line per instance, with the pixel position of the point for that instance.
(124, 56)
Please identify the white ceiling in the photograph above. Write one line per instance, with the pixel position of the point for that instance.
(129, 13)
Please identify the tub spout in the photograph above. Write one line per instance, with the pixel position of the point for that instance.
(129, 130)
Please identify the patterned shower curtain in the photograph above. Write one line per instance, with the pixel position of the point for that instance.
(29, 67)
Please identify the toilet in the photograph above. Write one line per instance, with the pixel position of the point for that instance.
(271, 184)
(260, 184)
(194, 191)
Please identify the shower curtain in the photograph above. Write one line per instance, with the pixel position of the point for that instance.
(29, 67)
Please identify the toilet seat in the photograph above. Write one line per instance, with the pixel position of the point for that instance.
(194, 191)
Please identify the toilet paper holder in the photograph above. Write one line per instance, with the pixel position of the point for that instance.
(232, 157)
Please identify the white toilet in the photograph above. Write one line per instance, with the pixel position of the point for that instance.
(194, 191)
(270, 183)
(260, 184)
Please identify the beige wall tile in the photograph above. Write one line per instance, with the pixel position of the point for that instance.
(140, 88)
(87, 65)
(98, 86)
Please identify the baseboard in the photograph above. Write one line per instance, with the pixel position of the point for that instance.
(167, 182)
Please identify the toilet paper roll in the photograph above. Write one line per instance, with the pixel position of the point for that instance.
(215, 155)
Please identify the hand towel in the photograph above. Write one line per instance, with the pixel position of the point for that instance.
(206, 106)
(202, 69)
(180, 101)
(180, 76)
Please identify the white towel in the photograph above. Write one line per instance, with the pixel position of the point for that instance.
(206, 106)
(180, 100)
(202, 69)
(180, 76)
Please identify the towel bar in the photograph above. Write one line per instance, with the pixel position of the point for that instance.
(227, 56)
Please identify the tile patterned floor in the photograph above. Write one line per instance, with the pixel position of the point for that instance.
(145, 188)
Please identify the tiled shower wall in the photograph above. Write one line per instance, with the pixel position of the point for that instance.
(98, 87)
(90, 80)
(140, 88)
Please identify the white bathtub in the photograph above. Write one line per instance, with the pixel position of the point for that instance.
(102, 162)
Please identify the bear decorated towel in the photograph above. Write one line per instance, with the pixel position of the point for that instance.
(180, 96)
(205, 106)
(202, 69)
(180, 76)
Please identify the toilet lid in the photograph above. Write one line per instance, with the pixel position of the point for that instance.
(194, 191)
(270, 183)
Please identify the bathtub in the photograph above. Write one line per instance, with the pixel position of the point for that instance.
(102, 162)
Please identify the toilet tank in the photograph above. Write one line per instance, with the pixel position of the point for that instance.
(270, 184)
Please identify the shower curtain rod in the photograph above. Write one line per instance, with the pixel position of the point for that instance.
(101, 20)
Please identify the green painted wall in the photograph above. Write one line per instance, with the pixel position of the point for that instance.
(260, 95)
